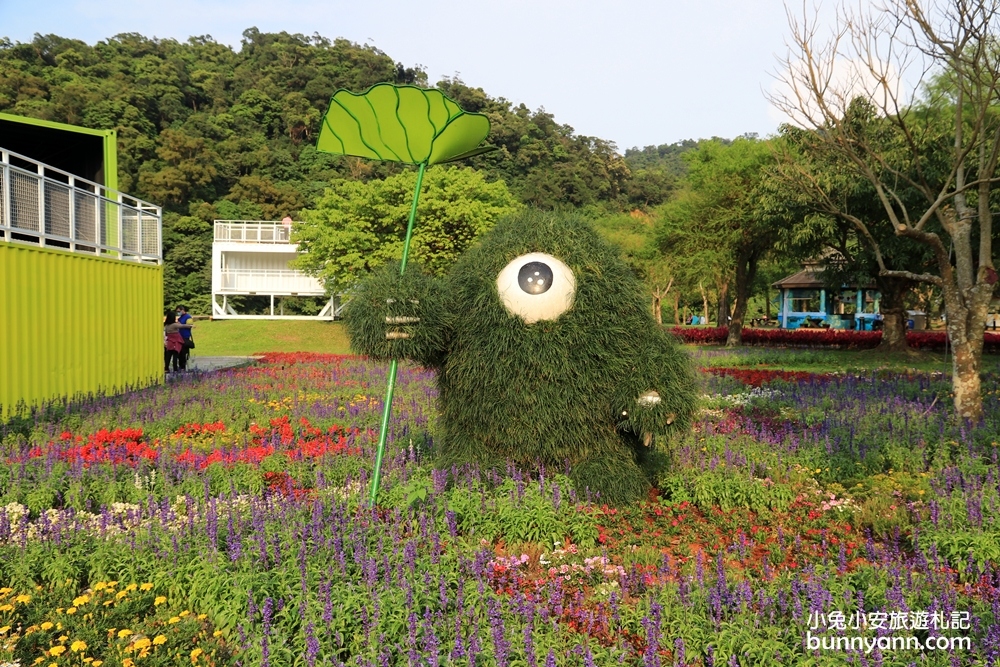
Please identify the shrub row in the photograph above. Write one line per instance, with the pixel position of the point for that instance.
(838, 338)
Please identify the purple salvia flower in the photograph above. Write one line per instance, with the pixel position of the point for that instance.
(500, 644)
(266, 615)
(312, 645)
(473, 652)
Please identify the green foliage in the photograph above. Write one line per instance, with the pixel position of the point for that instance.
(724, 221)
(415, 303)
(725, 490)
(200, 123)
(522, 512)
(359, 226)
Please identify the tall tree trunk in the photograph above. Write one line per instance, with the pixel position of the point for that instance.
(704, 300)
(723, 312)
(658, 294)
(967, 296)
(767, 302)
(966, 325)
(746, 271)
(892, 306)
(677, 308)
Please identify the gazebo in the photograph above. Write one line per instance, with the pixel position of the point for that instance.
(806, 301)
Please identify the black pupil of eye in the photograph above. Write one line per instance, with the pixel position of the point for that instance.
(535, 277)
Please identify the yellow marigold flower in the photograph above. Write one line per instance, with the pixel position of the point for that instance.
(80, 601)
(97, 663)
(217, 633)
(52, 664)
(195, 653)
(146, 587)
(100, 586)
(112, 584)
(142, 643)
(23, 598)
(122, 634)
(57, 650)
(184, 613)
(38, 660)
(5, 629)
(71, 610)
(47, 625)
(127, 662)
(174, 619)
(109, 603)
(131, 587)
(159, 639)
(87, 661)
(202, 617)
(6, 607)
(59, 626)
(5, 590)
(63, 638)
(120, 594)
(78, 645)
(159, 600)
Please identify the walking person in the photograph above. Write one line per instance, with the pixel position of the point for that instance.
(184, 319)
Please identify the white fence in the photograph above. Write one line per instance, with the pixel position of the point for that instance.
(45, 206)
(251, 231)
(269, 281)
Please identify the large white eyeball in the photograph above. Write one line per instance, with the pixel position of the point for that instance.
(536, 287)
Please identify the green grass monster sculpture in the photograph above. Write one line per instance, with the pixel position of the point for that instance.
(545, 352)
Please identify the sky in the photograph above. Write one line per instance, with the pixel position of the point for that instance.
(635, 72)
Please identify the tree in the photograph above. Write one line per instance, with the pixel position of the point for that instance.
(945, 146)
(823, 230)
(634, 235)
(726, 220)
(356, 227)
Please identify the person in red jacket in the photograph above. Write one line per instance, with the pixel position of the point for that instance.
(173, 343)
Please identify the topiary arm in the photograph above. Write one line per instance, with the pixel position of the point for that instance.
(656, 396)
(394, 316)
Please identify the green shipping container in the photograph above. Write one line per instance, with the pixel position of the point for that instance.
(73, 324)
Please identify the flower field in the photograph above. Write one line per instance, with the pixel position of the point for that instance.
(832, 338)
(222, 520)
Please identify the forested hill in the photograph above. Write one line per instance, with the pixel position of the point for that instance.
(201, 122)
(208, 131)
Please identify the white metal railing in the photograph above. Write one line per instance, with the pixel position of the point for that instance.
(269, 281)
(46, 206)
(252, 231)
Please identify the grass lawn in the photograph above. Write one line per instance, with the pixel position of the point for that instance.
(222, 338)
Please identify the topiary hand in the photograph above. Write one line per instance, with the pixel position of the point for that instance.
(392, 316)
(651, 398)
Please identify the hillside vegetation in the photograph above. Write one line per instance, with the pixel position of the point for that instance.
(210, 132)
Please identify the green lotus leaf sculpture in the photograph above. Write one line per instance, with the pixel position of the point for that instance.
(401, 124)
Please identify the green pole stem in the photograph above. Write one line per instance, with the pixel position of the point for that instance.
(387, 408)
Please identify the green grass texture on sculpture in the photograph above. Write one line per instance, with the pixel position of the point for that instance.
(401, 124)
(562, 390)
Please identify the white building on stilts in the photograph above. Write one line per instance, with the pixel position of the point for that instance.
(250, 257)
